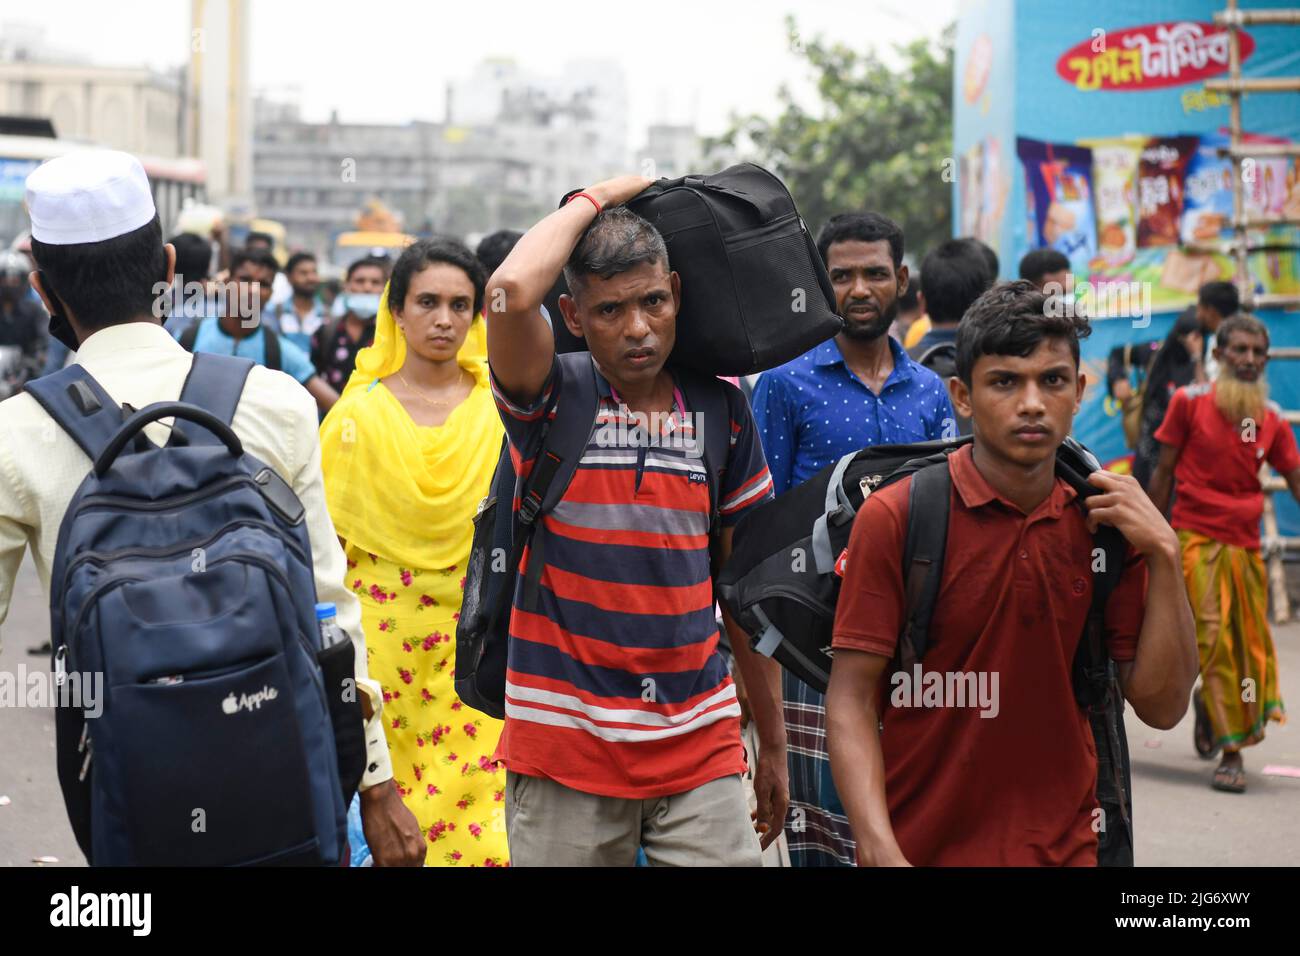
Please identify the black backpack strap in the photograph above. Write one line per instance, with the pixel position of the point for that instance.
(1092, 660)
(326, 340)
(1097, 690)
(215, 384)
(73, 398)
(927, 540)
(1096, 685)
(706, 398)
(190, 335)
(564, 439)
(272, 349)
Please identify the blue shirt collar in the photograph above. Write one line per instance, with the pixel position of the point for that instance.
(828, 354)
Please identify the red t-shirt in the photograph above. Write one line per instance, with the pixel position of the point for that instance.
(1015, 788)
(1218, 491)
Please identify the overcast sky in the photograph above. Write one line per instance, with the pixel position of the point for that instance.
(388, 60)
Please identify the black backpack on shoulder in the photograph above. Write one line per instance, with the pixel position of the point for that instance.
(500, 533)
(781, 587)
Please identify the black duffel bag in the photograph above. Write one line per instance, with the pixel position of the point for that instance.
(755, 293)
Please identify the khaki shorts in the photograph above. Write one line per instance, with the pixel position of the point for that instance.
(549, 824)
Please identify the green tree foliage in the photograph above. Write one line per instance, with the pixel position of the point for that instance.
(878, 141)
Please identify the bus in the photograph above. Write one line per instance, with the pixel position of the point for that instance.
(172, 181)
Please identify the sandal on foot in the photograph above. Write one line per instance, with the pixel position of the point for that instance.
(1202, 731)
(1229, 779)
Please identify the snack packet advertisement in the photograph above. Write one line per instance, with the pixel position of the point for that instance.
(1058, 190)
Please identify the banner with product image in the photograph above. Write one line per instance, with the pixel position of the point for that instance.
(1112, 76)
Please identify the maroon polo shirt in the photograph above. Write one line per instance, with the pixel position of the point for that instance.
(1016, 788)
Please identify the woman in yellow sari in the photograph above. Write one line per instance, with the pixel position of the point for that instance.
(408, 453)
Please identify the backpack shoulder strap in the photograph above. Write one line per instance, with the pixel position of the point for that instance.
(215, 384)
(923, 554)
(564, 439)
(706, 397)
(326, 333)
(272, 349)
(838, 510)
(80, 405)
(190, 335)
(1092, 660)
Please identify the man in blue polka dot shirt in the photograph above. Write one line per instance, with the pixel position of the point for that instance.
(858, 389)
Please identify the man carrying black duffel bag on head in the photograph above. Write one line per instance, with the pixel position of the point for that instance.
(622, 724)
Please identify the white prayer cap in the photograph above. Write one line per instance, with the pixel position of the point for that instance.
(88, 195)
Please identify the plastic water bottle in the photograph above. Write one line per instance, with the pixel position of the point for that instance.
(327, 622)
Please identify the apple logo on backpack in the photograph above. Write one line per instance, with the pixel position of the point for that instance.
(230, 705)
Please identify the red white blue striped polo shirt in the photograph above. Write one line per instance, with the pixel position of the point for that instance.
(614, 682)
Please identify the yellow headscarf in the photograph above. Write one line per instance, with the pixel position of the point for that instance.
(399, 490)
(387, 353)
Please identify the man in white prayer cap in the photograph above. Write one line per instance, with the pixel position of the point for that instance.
(99, 254)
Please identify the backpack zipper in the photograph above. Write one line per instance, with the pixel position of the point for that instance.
(95, 592)
(90, 753)
(796, 596)
(166, 504)
(245, 556)
(166, 550)
(251, 558)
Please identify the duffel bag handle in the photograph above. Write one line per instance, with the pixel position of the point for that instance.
(654, 189)
(768, 206)
(766, 211)
(159, 410)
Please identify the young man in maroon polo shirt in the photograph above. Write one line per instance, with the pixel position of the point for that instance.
(1005, 776)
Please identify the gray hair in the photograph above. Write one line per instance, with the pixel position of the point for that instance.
(617, 240)
(1240, 322)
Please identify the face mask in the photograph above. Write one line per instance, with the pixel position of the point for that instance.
(364, 305)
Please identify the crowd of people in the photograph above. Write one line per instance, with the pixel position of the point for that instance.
(400, 391)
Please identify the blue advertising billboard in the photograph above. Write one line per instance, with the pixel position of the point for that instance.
(1088, 128)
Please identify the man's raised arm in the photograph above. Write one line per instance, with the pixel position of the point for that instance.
(521, 346)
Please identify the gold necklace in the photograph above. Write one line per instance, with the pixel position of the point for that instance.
(429, 401)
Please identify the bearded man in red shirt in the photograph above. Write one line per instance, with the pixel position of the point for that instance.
(1213, 441)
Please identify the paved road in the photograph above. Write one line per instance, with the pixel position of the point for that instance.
(34, 823)
(1180, 820)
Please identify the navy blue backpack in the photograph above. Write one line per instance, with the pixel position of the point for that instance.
(183, 575)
